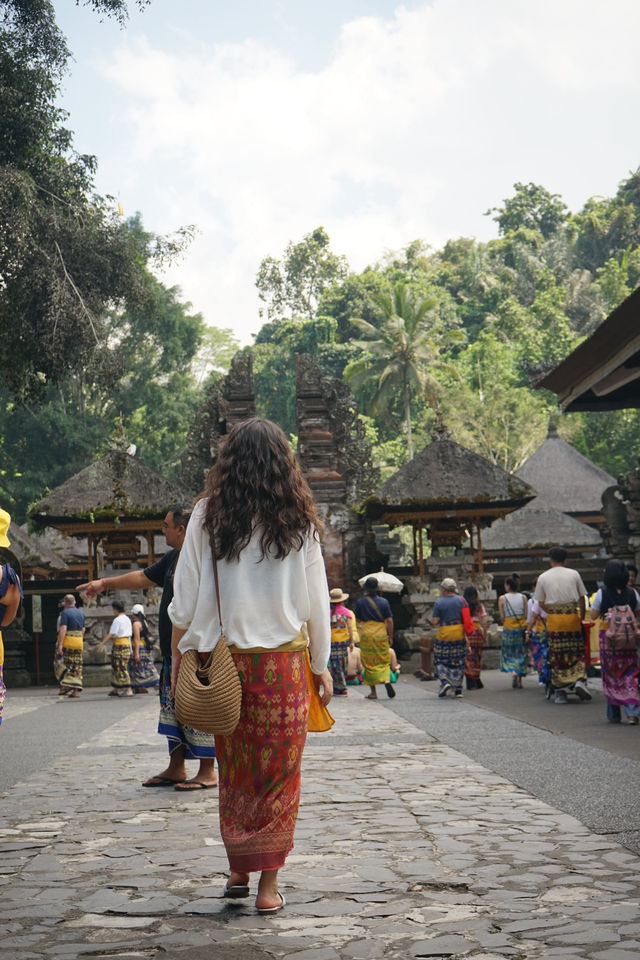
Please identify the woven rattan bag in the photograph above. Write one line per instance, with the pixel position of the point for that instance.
(209, 695)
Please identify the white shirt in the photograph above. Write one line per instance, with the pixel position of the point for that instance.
(560, 585)
(121, 626)
(264, 602)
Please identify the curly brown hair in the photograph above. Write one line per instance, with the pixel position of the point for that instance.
(256, 483)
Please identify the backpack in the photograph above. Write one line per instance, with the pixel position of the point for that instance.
(622, 632)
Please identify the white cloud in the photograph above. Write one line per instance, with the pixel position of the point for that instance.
(413, 128)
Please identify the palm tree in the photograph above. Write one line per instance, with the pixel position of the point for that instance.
(400, 352)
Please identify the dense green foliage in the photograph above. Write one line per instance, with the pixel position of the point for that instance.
(468, 328)
(87, 333)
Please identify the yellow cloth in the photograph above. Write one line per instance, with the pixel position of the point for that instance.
(72, 640)
(1, 651)
(564, 623)
(374, 650)
(298, 643)
(339, 635)
(122, 641)
(514, 623)
(451, 633)
(320, 719)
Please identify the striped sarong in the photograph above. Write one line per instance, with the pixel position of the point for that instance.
(260, 762)
(473, 666)
(120, 656)
(197, 745)
(513, 650)
(72, 660)
(338, 659)
(450, 655)
(374, 650)
(143, 672)
(566, 644)
(619, 672)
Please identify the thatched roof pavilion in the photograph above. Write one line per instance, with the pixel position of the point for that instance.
(448, 491)
(111, 502)
(532, 530)
(566, 480)
(35, 556)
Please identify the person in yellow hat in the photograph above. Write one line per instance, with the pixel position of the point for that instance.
(10, 596)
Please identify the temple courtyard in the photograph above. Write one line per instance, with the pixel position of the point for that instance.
(499, 826)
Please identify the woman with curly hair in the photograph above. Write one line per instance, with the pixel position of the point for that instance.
(258, 511)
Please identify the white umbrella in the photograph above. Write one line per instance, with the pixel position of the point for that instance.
(386, 582)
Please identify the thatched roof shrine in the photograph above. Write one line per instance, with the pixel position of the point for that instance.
(35, 555)
(444, 478)
(111, 502)
(116, 486)
(534, 530)
(565, 479)
(447, 490)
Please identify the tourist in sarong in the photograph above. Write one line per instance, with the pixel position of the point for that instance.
(451, 647)
(69, 646)
(184, 743)
(142, 668)
(120, 636)
(10, 596)
(561, 594)
(342, 640)
(375, 628)
(272, 581)
(477, 640)
(536, 636)
(618, 652)
(514, 654)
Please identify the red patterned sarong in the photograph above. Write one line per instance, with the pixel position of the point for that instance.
(260, 762)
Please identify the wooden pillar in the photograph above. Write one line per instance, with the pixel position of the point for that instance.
(473, 557)
(151, 551)
(421, 550)
(480, 559)
(415, 549)
(92, 557)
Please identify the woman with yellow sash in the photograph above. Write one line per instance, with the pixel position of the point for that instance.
(10, 596)
(342, 640)
(375, 628)
(451, 646)
(121, 652)
(513, 607)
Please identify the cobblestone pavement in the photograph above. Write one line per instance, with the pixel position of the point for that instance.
(404, 848)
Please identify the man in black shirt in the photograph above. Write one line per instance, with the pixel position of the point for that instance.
(184, 743)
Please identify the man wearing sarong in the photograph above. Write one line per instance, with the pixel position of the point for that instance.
(561, 594)
(184, 743)
(451, 646)
(70, 643)
(375, 627)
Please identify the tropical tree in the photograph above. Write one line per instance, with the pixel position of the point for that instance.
(401, 352)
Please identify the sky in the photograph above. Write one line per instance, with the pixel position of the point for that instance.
(259, 120)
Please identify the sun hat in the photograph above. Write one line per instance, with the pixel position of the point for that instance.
(5, 520)
(337, 596)
(449, 585)
(137, 608)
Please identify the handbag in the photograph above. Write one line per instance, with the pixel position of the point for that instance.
(320, 720)
(209, 695)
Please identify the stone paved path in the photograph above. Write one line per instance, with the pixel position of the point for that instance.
(404, 848)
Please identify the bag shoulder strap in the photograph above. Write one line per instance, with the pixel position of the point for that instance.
(215, 577)
(374, 605)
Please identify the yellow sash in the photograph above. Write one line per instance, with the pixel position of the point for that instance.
(1, 650)
(72, 640)
(514, 623)
(451, 632)
(298, 643)
(122, 641)
(564, 623)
